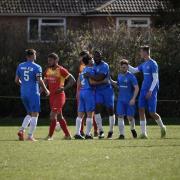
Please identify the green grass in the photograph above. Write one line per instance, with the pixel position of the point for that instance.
(151, 159)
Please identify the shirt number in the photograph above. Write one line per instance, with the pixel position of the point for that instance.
(26, 75)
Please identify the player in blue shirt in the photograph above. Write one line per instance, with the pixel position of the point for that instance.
(86, 98)
(149, 90)
(29, 76)
(104, 94)
(128, 91)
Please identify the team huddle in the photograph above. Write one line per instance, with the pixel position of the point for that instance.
(95, 90)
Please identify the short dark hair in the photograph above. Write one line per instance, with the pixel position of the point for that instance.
(98, 52)
(30, 52)
(86, 58)
(83, 53)
(145, 48)
(53, 56)
(124, 61)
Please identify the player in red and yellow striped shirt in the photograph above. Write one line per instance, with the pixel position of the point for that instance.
(55, 77)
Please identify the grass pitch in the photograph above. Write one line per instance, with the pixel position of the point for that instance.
(151, 159)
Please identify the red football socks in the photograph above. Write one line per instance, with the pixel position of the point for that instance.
(52, 127)
(64, 127)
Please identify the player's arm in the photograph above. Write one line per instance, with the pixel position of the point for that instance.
(78, 88)
(70, 81)
(46, 84)
(155, 76)
(153, 85)
(42, 85)
(17, 77)
(114, 83)
(136, 91)
(40, 80)
(133, 69)
(98, 77)
(93, 82)
(154, 82)
(78, 84)
(17, 80)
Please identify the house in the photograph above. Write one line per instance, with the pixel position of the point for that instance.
(40, 19)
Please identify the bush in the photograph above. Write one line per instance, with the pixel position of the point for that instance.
(114, 44)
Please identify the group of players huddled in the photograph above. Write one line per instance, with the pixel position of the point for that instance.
(95, 90)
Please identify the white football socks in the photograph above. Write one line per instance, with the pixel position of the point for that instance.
(78, 125)
(32, 126)
(111, 123)
(121, 125)
(26, 122)
(132, 124)
(88, 126)
(143, 126)
(160, 123)
(98, 120)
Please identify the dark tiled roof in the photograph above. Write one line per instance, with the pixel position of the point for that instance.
(134, 6)
(79, 7)
(48, 6)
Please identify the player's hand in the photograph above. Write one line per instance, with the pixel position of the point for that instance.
(59, 90)
(47, 92)
(132, 102)
(149, 94)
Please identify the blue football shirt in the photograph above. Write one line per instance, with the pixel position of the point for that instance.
(148, 68)
(85, 81)
(102, 68)
(126, 83)
(28, 72)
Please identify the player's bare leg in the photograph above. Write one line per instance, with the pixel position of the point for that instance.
(111, 122)
(98, 120)
(25, 124)
(32, 127)
(132, 126)
(143, 123)
(89, 121)
(121, 126)
(78, 126)
(64, 126)
(158, 120)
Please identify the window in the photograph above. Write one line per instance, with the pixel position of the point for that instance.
(46, 29)
(139, 22)
(133, 22)
(136, 26)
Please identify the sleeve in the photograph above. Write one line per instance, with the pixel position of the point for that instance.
(154, 67)
(64, 73)
(39, 71)
(134, 80)
(154, 82)
(18, 72)
(104, 69)
(133, 69)
(140, 68)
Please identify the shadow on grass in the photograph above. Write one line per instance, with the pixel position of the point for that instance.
(146, 146)
(100, 140)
